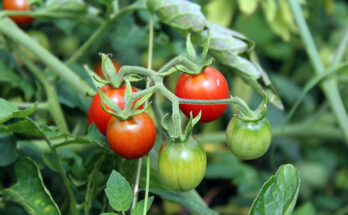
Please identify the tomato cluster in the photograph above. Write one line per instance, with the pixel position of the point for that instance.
(181, 164)
(131, 138)
(18, 5)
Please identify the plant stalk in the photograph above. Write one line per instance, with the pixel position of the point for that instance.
(329, 86)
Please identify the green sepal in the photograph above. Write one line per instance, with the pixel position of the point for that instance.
(96, 80)
(165, 127)
(108, 69)
(191, 52)
(110, 104)
(128, 93)
(143, 99)
(192, 122)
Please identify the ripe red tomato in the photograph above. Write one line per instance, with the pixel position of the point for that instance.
(98, 68)
(90, 116)
(209, 85)
(100, 117)
(131, 138)
(18, 5)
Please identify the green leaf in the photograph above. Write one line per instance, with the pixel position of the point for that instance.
(8, 150)
(139, 207)
(9, 111)
(118, 192)
(180, 14)
(29, 191)
(279, 194)
(6, 75)
(248, 7)
(21, 127)
(188, 199)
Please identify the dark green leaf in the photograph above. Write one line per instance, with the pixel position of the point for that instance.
(6, 75)
(9, 111)
(8, 150)
(188, 199)
(279, 194)
(21, 127)
(139, 207)
(180, 14)
(29, 191)
(118, 192)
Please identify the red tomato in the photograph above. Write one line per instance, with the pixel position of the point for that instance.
(98, 68)
(100, 117)
(18, 5)
(209, 85)
(89, 115)
(131, 138)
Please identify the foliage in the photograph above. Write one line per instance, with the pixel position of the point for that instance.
(53, 162)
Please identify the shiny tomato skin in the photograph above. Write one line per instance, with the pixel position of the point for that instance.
(182, 165)
(209, 85)
(18, 5)
(132, 138)
(99, 71)
(100, 117)
(248, 139)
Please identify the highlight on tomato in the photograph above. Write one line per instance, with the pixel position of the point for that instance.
(131, 138)
(248, 139)
(209, 85)
(182, 165)
(18, 5)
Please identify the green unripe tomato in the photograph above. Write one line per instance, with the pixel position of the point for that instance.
(248, 139)
(182, 165)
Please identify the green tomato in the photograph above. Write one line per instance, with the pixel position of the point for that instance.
(182, 165)
(248, 139)
(66, 45)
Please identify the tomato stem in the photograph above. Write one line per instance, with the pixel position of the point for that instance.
(147, 184)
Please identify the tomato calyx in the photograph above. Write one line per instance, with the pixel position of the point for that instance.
(132, 102)
(107, 73)
(188, 130)
(246, 114)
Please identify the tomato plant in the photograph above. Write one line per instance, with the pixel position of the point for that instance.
(209, 85)
(132, 138)
(182, 165)
(99, 71)
(18, 5)
(100, 117)
(248, 139)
